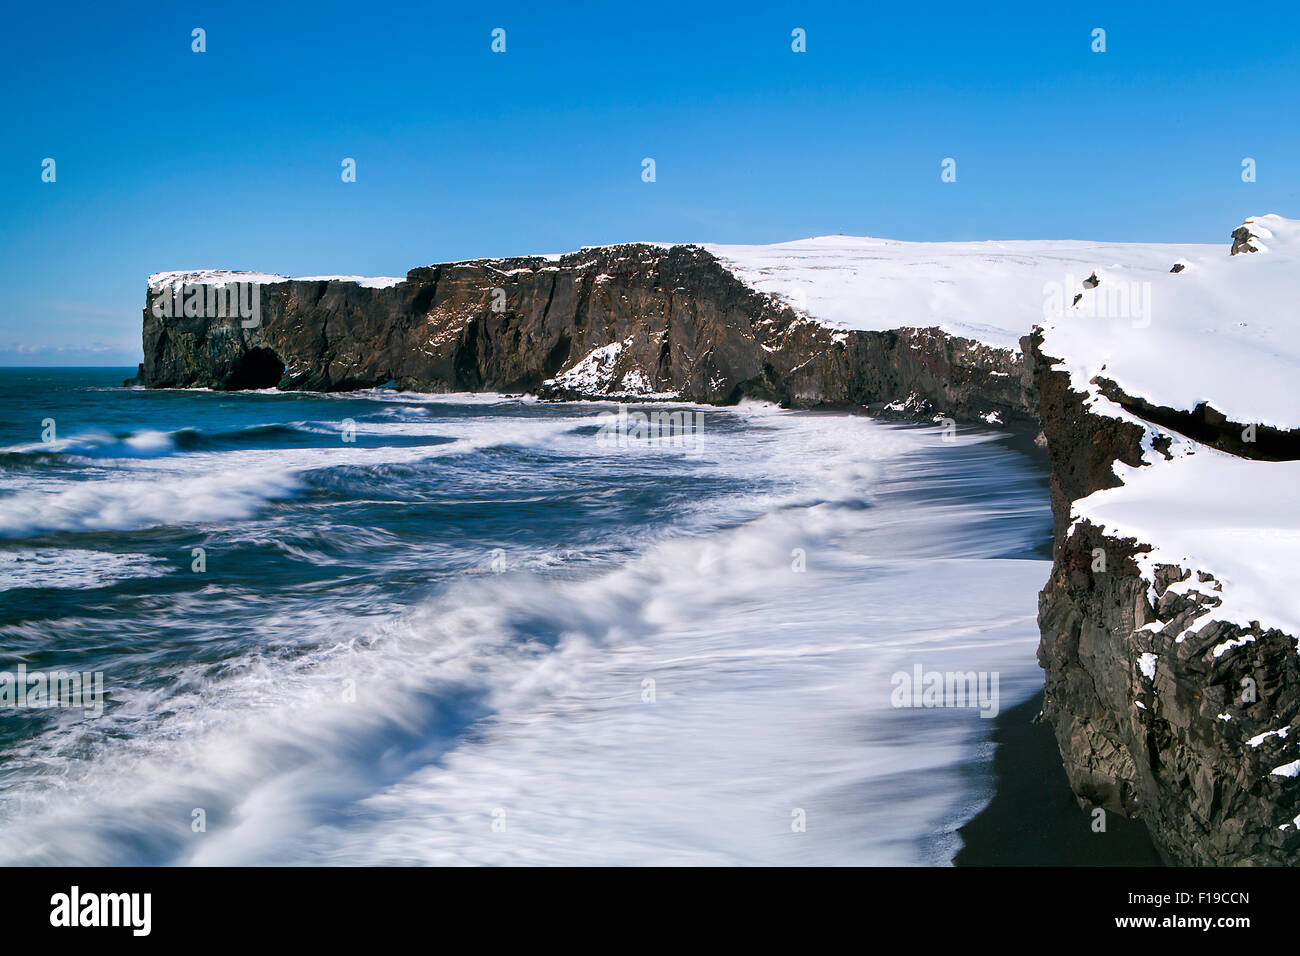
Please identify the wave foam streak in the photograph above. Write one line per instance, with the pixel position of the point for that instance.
(682, 702)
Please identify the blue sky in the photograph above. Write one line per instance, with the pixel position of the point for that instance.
(170, 159)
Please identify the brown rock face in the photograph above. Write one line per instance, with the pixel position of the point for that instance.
(1171, 751)
(1241, 237)
(673, 323)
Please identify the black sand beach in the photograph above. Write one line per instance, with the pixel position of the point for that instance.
(1033, 818)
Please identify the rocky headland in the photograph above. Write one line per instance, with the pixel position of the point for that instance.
(1155, 375)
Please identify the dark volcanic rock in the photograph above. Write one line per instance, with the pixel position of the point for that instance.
(673, 322)
(1241, 237)
(1170, 749)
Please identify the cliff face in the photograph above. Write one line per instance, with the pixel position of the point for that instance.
(1168, 625)
(1162, 710)
(632, 322)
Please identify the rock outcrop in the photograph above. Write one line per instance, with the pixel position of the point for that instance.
(1243, 240)
(628, 323)
(1190, 747)
(1170, 654)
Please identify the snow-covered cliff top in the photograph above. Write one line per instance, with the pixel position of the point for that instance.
(220, 277)
(1225, 330)
(993, 292)
(1206, 510)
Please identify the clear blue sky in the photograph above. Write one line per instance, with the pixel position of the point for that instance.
(170, 159)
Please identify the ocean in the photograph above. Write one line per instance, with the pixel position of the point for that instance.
(382, 627)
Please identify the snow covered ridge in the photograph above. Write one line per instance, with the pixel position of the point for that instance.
(1204, 510)
(1169, 625)
(220, 277)
(1224, 331)
(1216, 541)
(993, 292)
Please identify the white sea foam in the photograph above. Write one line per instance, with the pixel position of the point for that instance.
(124, 505)
(147, 443)
(230, 485)
(73, 568)
(771, 696)
(440, 398)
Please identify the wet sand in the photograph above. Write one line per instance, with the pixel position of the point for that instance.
(1033, 818)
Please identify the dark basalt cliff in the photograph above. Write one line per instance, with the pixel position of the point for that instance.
(673, 321)
(640, 322)
(1172, 751)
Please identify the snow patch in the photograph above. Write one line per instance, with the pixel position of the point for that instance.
(221, 277)
(593, 372)
(1147, 665)
(1259, 739)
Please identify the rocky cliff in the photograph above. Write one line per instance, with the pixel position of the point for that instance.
(1153, 718)
(1168, 642)
(632, 322)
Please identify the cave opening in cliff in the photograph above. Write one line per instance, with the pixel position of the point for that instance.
(256, 368)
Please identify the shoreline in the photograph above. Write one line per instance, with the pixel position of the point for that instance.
(1033, 818)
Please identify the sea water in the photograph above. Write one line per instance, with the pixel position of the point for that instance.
(392, 628)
